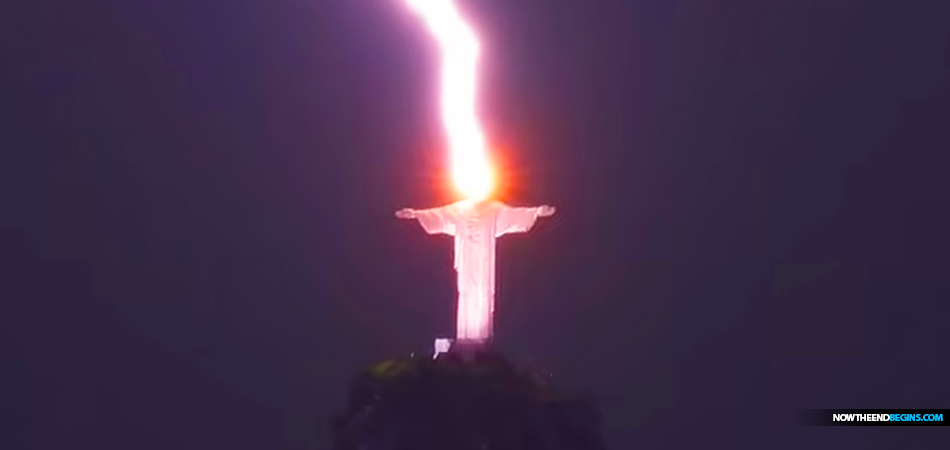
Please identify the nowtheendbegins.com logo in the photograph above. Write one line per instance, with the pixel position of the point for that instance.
(873, 417)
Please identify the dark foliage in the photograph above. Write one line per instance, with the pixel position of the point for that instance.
(455, 404)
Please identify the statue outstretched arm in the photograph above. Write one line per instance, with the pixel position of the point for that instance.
(434, 221)
(520, 220)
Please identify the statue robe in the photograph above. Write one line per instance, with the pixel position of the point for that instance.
(475, 227)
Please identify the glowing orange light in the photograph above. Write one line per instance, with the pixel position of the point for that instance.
(471, 170)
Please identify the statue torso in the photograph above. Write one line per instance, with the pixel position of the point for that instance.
(475, 223)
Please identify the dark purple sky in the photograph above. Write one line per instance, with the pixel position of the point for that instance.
(201, 246)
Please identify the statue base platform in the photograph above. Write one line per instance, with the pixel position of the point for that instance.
(466, 350)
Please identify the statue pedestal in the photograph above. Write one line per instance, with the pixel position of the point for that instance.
(465, 350)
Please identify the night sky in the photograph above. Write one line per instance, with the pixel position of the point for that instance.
(200, 246)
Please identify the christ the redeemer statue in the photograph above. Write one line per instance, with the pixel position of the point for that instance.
(475, 225)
